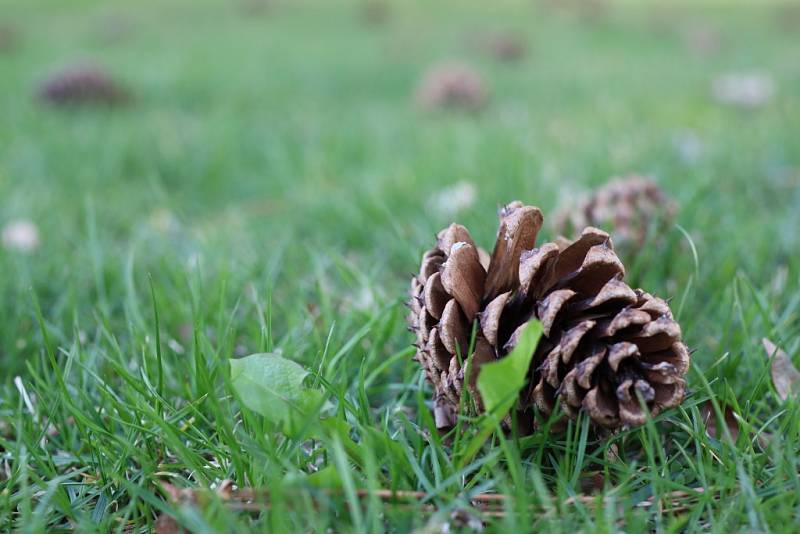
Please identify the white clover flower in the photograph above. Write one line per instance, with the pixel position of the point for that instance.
(745, 89)
(21, 235)
(454, 199)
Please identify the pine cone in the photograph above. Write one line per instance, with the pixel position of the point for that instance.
(505, 46)
(628, 207)
(604, 344)
(452, 86)
(82, 85)
(9, 38)
(376, 12)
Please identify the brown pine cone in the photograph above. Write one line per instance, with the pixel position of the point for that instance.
(505, 46)
(627, 207)
(603, 345)
(452, 86)
(82, 85)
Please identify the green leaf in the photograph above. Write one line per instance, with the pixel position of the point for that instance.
(272, 386)
(327, 477)
(499, 384)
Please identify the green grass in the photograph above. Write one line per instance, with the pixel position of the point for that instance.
(266, 191)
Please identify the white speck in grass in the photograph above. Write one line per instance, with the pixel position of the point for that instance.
(364, 300)
(689, 147)
(176, 347)
(193, 261)
(748, 90)
(21, 235)
(779, 280)
(453, 199)
(163, 221)
(457, 246)
(25, 397)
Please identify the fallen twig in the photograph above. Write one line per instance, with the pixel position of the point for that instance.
(489, 504)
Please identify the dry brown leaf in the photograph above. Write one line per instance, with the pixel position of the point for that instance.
(710, 420)
(785, 377)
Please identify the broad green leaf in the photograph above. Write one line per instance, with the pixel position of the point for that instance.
(272, 386)
(327, 477)
(499, 384)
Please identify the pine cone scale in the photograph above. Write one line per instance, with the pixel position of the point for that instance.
(431, 263)
(572, 338)
(535, 266)
(490, 317)
(438, 355)
(601, 407)
(621, 351)
(519, 226)
(573, 258)
(455, 329)
(435, 296)
(614, 293)
(463, 277)
(549, 308)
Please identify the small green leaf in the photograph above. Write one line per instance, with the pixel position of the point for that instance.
(327, 477)
(500, 382)
(272, 386)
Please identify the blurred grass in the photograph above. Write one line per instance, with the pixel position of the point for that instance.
(272, 176)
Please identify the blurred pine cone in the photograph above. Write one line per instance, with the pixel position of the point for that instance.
(82, 85)
(452, 86)
(629, 208)
(8, 38)
(605, 346)
(376, 12)
(505, 46)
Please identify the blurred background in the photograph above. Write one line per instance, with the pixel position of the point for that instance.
(312, 148)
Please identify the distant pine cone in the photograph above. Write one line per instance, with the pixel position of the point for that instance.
(82, 85)
(589, 11)
(605, 346)
(505, 46)
(628, 208)
(255, 7)
(376, 12)
(745, 90)
(8, 38)
(452, 86)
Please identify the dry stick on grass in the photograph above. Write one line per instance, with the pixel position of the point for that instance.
(489, 504)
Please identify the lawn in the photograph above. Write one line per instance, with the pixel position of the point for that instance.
(270, 186)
